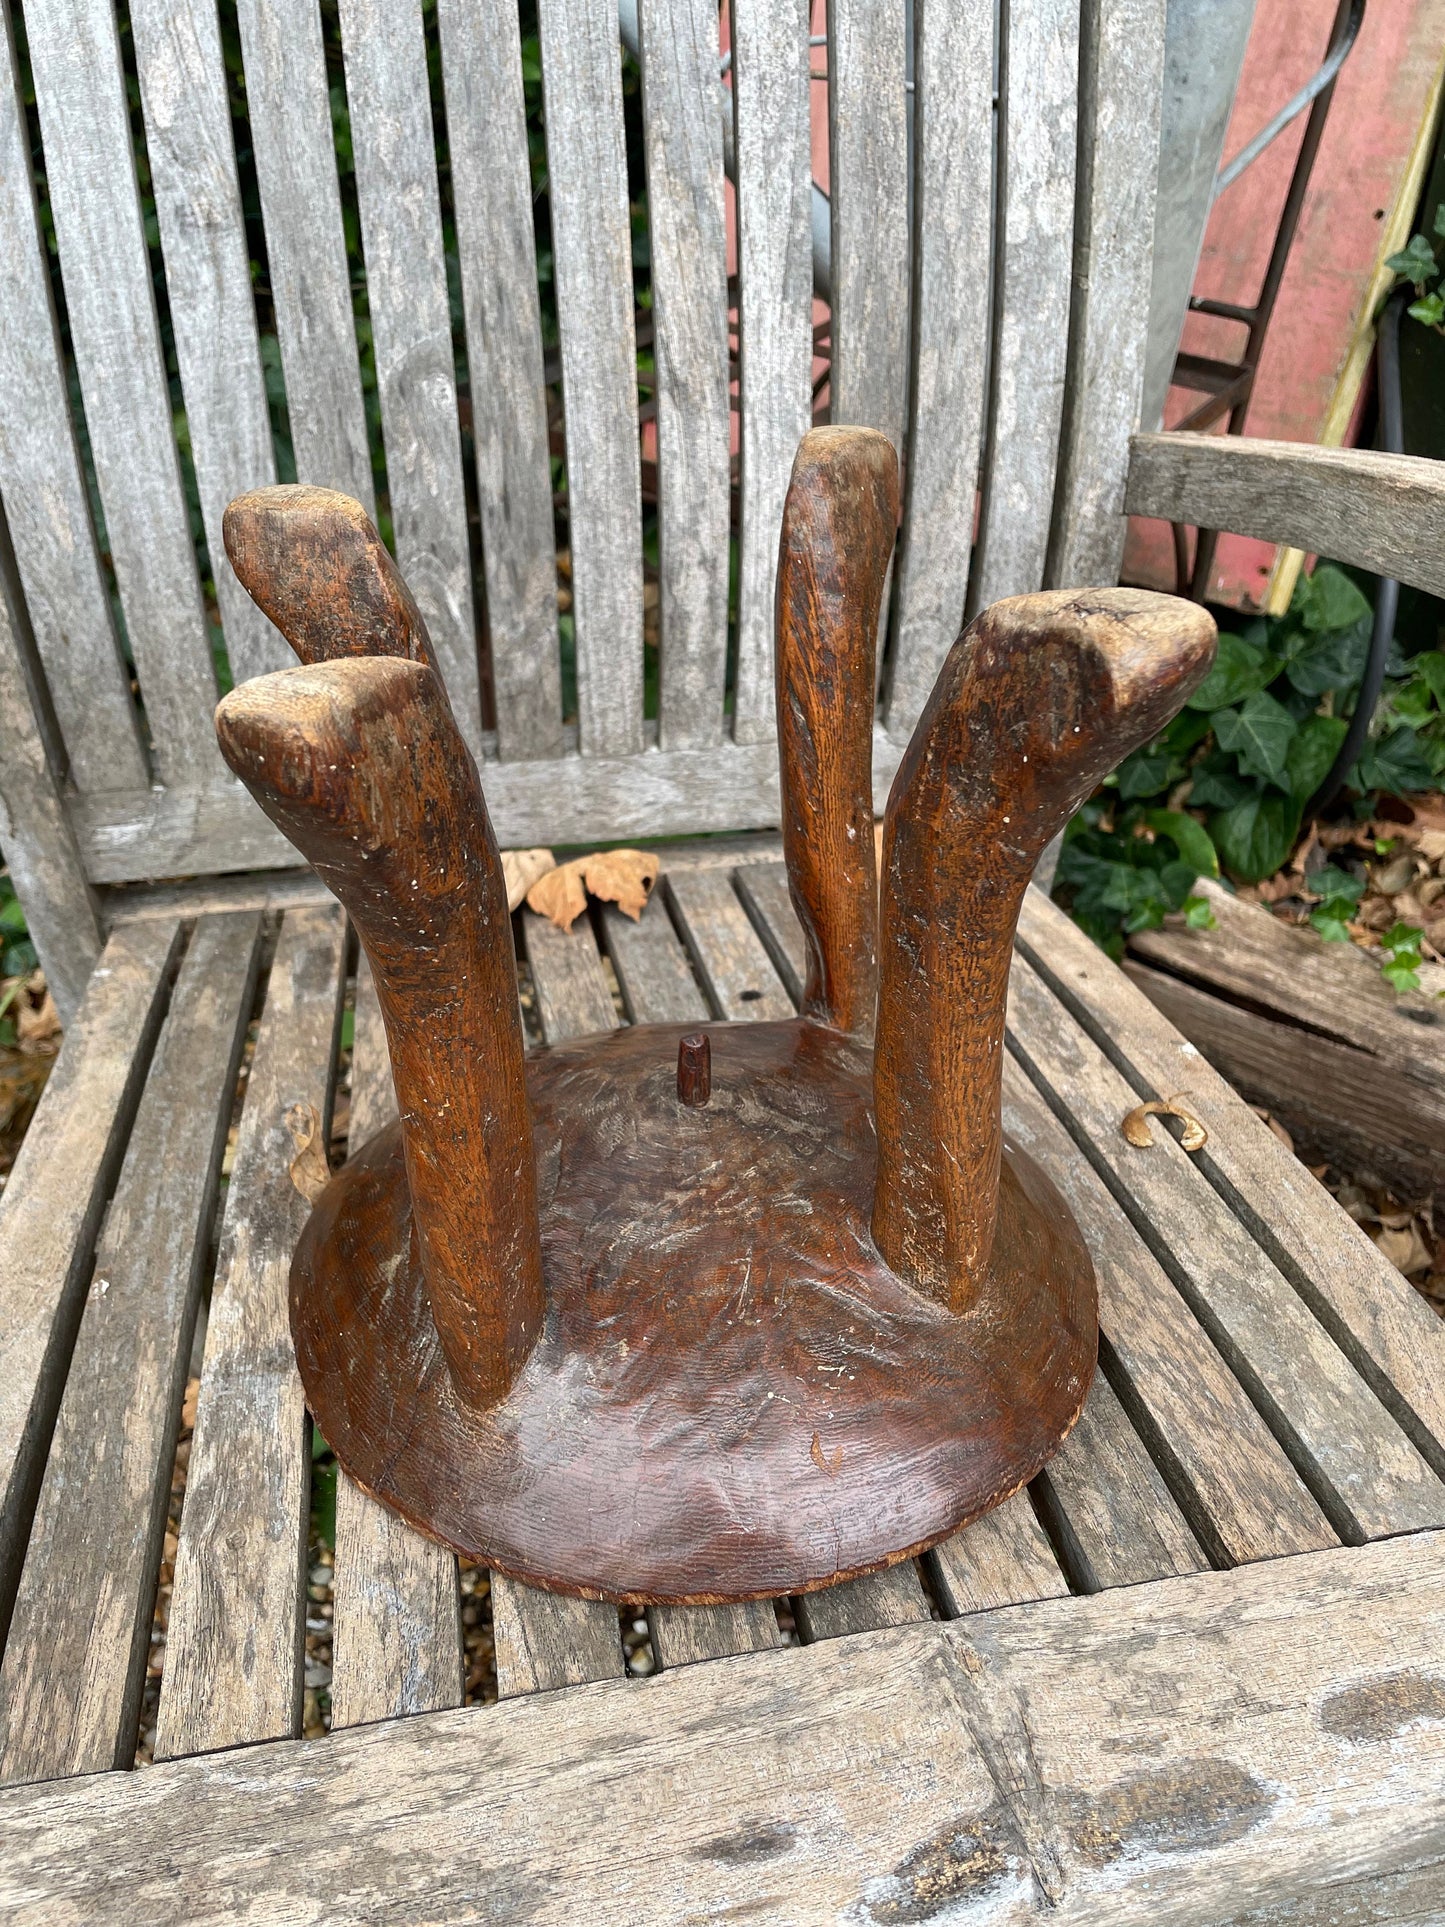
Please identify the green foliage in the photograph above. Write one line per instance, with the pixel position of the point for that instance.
(1418, 264)
(1400, 947)
(17, 952)
(1338, 893)
(323, 1489)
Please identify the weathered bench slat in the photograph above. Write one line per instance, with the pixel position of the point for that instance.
(406, 291)
(727, 950)
(396, 1643)
(894, 1597)
(75, 1659)
(52, 1205)
(592, 239)
(90, 175)
(497, 255)
(1034, 263)
(690, 356)
(1192, 1748)
(234, 1647)
(192, 154)
(1002, 1559)
(683, 1635)
(775, 316)
(1379, 1320)
(953, 163)
(1365, 1473)
(763, 888)
(289, 110)
(46, 510)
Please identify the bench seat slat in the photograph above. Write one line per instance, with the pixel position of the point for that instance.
(728, 952)
(234, 1648)
(1002, 1559)
(75, 1660)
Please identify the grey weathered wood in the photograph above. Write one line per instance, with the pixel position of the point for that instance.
(1240, 1492)
(52, 1204)
(953, 144)
(192, 154)
(75, 1659)
(690, 354)
(1191, 1750)
(90, 175)
(775, 316)
(763, 888)
(1121, 83)
(592, 239)
(894, 1597)
(653, 973)
(289, 110)
(1033, 270)
(730, 957)
(868, 197)
(36, 833)
(1002, 1559)
(497, 256)
(234, 1643)
(44, 491)
(1380, 1321)
(683, 1635)
(1385, 513)
(406, 291)
(1365, 1473)
(396, 1645)
(1107, 1505)
(573, 997)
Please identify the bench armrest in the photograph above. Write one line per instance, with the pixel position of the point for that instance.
(1385, 513)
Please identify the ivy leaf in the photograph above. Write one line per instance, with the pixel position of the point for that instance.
(1240, 667)
(1394, 763)
(1311, 755)
(1430, 309)
(1254, 838)
(1330, 923)
(1430, 667)
(1198, 915)
(1330, 601)
(1260, 733)
(1416, 262)
(1147, 772)
(1336, 888)
(1333, 660)
(1189, 837)
(1217, 784)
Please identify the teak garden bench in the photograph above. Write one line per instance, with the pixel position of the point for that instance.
(1195, 1672)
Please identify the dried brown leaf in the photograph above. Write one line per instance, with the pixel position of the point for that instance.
(37, 1024)
(623, 877)
(1135, 1126)
(560, 894)
(1405, 1248)
(310, 1173)
(1432, 844)
(521, 869)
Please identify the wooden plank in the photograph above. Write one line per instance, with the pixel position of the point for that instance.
(727, 951)
(110, 305)
(1381, 1322)
(497, 256)
(288, 107)
(763, 888)
(234, 1646)
(573, 996)
(396, 1644)
(406, 290)
(690, 315)
(868, 198)
(1037, 148)
(1121, 88)
(592, 253)
(1210, 1748)
(192, 153)
(683, 1635)
(1002, 1559)
(953, 147)
(1242, 1496)
(75, 1661)
(1365, 1474)
(894, 1597)
(36, 832)
(1384, 513)
(44, 490)
(52, 1204)
(775, 317)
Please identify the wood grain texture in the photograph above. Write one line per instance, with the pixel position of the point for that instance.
(75, 1660)
(837, 541)
(1002, 1559)
(497, 257)
(1384, 513)
(406, 291)
(234, 1646)
(1196, 1749)
(192, 154)
(725, 948)
(1379, 1320)
(683, 1635)
(44, 489)
(680, 98)
(894, 1597)
(90, 176)
(396, 1642)
(52, 1206)
(1121, 85)
(953, 145)
(763, 891)
(1034, 260)
(592, 239)
(775, 317)
(289, 113)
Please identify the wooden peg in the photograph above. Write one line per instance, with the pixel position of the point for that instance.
(839, 523)
(1039, 698)
(694, 1068)
(361, 765)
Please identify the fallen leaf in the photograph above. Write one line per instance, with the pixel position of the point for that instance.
(560, 895)
(521, 869)
(1406, 1250)
(1432, 844)
(623, 877)
(1268, 1117)
(1136, 1129)
(36, 1024)
(310, 1173)
(188, 1404)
